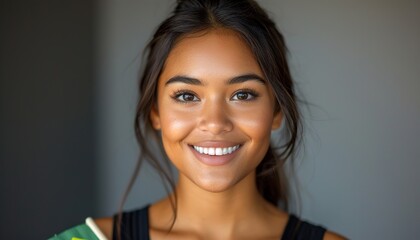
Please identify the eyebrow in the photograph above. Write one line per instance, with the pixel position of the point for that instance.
(235, 80)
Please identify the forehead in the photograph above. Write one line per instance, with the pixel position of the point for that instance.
(216, 52)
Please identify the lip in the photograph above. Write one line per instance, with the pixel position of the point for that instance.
(214, 144)
(215, 160)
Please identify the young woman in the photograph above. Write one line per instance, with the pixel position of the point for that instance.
(216, 84)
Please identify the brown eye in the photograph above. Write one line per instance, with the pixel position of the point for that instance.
(185, 97)
(188, 97)
(244, 95)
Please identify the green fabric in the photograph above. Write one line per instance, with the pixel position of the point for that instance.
(80, 232)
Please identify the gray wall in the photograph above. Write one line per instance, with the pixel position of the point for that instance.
(46, 116)
(123, 28)
(357, 62)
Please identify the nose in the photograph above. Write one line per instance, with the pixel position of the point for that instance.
(214, 118)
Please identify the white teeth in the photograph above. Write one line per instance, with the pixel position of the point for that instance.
(230, 149)
(224, 151)
(211, 151)
(216, 151)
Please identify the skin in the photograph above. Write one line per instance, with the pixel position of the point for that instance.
(199, 103)
(214, 116)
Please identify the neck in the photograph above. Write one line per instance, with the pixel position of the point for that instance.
(244, 195)
(228, 214)
(225, 211)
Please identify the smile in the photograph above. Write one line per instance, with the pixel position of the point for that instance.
(216, 151)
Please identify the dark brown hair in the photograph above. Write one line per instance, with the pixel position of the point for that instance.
(252, 23)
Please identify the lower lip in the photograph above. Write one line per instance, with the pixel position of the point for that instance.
(214, 160)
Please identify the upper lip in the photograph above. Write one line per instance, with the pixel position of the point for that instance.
(215, 144)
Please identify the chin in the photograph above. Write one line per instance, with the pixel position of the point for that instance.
(215, 185)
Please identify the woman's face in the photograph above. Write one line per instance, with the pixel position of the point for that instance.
(215, 110)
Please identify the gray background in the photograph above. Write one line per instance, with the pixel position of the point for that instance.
(47, 116)
(357, 62)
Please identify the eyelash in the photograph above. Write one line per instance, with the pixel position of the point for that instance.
(248, 91)
(179, 93)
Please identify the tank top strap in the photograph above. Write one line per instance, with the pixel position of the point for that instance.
(297, 229)
(134, 225)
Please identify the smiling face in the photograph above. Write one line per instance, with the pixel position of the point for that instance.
(215, 110)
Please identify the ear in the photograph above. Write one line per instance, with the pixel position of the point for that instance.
(155, 117)
(277, 120)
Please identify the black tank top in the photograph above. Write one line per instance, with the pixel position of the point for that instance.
(135, 226)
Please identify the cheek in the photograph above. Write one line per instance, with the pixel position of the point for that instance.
(175, 126)
(257, 125)
(256, 122)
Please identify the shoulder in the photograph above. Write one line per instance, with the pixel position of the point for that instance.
(301, 229)
(136, 217)
(90, 229)
(333, 236)
(105, 225)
